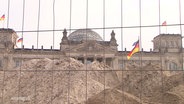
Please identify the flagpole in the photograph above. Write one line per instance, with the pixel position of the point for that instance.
(139, 43)
(2, 18)
(164, 24)
(3, 24)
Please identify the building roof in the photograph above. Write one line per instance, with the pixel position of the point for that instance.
(167, 35)
(84, 34)
(3, 30)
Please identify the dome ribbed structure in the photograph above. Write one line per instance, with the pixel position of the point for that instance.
(84, 34)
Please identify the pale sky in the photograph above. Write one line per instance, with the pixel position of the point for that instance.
(169, 11)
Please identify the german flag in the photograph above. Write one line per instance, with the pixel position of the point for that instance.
(134, 50)
(2, 17)
(164, 23)
(20, 40)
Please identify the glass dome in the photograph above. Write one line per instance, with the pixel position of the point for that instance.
(84, 34)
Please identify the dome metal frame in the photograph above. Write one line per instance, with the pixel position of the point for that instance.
(84, 34)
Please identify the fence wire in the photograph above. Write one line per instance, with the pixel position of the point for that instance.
(53, 74)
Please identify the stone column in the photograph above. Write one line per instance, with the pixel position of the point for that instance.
(94, 58)
(85, 60)
(104, 60)
(115, 63)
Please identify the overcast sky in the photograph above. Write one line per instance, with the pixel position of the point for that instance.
(169, 11)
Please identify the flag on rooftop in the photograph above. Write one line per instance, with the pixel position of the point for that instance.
(135, 43)
(134, 50)
(164, 23)
(2, 17)
(20, 40)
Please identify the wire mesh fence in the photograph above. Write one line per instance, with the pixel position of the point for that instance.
(75, 52)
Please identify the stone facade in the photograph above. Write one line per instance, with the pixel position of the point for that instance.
(87, 46)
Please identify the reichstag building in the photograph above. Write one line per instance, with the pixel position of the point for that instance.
(87, 46)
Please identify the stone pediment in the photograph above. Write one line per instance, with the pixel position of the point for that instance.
(91, 46)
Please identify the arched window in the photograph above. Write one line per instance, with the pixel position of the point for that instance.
(172, 66)
(163, 44)
(172, 44)
(120, 64)
(176, 44)
(17, 63)
(1, 65)
(167, 44)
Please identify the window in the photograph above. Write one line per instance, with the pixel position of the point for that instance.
(1, 65)
(109, 61)
(17, 63)
(89, 60)
(172, 66)
(120, 64)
